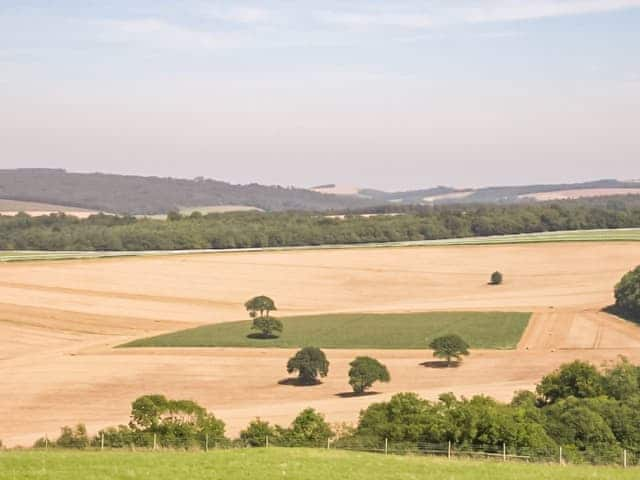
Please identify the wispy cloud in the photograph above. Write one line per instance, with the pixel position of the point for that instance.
(401, 14)
(242, 15)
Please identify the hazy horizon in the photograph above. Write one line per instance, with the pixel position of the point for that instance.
(389, 96)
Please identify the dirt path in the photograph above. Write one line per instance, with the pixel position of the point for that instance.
(59, 321)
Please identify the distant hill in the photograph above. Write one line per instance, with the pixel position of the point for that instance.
(138, 195)
(154, 195)
(507, 194)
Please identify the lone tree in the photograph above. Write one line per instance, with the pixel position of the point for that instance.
(627, 293)
(267, 326)
(309, 363)
(496, 278)
(448, 347)
(364, 371)
(261, 304)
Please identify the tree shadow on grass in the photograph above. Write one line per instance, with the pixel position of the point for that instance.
(440, 364)
(354, 394)
(618, 312)
(296, 382)
(260, 336)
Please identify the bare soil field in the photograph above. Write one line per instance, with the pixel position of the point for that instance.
(60, 320)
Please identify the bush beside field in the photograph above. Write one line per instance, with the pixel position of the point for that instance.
(278, 463)
(495, 330)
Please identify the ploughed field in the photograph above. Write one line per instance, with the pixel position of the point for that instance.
(60, 322)
(272, 463)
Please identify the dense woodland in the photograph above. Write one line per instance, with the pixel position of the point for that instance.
(257, 229)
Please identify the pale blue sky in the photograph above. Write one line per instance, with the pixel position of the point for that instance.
(386, 94)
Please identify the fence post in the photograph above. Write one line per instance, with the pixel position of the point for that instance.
(560, 457)
(266, 442)
(46, 442)
(504, 452)
(206, 442)
(155, 444)
(624, 458)
(386, 446)
(101, 440)
(449, 450)
(327, 444)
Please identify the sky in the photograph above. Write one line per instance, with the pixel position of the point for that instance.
(383, 94)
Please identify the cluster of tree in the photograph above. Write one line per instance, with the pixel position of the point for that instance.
(593, 415)
(154, 418)
(258, 229)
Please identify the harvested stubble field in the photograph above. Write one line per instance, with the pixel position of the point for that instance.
(266, 464)
(60, 320)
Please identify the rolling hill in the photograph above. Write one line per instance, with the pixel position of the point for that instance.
(138, 195)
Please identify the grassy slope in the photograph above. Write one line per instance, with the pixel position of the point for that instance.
(403, 330)
(273, 463)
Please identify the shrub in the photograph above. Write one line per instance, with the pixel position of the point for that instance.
(448, 347)
(267, 326)
(308, 429)
(364, 371)
(257, 432)
(627, 293)
(309, 363)
(73, 437)
(496, 278)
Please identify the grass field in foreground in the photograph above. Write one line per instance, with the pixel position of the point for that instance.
(609, 235)
(358, 330)
(275, 463)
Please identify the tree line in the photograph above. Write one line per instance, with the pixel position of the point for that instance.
(591, 414)
(258, 229)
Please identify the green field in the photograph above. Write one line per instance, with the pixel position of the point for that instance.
(358, 330)
(611, 235)
(275, 463)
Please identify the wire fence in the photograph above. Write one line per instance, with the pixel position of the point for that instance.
(606, 455)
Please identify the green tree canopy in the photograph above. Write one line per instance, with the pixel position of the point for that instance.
(496, 278)
(576, 379)
(448, 347)
(309, 428)
(309, 363)
(261, 304)
(267, 326)
(627, 293)
(257, 432)
(365, 371)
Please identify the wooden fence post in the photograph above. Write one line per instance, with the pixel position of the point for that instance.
(624, 458)
(560, 457)
(266, 442)
(386, 446)
(449, 450)
(155, 441)
(101, 440)
(206, 442)
(504, 452)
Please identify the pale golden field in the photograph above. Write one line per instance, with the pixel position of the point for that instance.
(59, 321)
